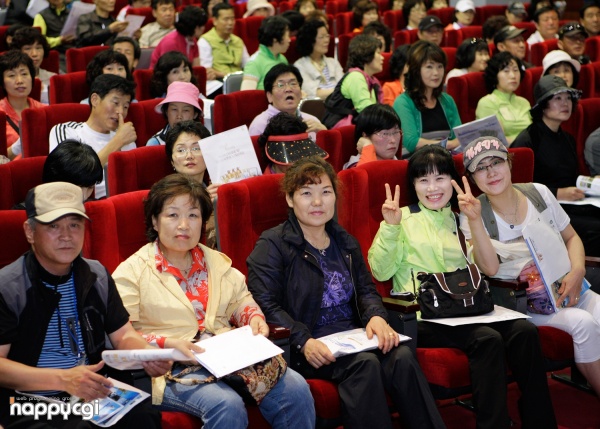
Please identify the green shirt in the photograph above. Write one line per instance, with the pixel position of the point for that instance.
(512, 112)
(261, 62)
(424, 241)
(355, 88)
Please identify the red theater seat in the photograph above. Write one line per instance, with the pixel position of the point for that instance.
(79, 58)
(139, 169)
(145, 119)
(68, 88)
(466, 91)
(17, 178)
(237, 108)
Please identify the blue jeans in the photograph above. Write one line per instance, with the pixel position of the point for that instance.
(288, 405)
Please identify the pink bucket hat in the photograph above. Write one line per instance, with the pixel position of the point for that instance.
(181, 92)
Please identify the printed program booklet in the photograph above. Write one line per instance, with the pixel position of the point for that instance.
(488, 126)
(591, 187)
(353, 341)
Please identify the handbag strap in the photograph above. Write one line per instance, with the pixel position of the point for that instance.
(13, 125)
(461, 237)
(475, 278)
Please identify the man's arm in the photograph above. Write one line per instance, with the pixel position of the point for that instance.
(125, 134)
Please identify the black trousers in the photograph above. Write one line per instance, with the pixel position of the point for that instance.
(489, 348)
(363, 379)
(586, 222)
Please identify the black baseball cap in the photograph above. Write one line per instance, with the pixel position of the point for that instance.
(430, 21)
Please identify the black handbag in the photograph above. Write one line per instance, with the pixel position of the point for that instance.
(461, 293)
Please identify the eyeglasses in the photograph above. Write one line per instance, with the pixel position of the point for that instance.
(495, 165)
(293, 84)
(386, 134)
(182, 152)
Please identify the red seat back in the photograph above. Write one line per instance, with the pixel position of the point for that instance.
(342, 47)
(11, 230)
(384, 75)
(484, 12)
(344, 23)
(445, 14)
(531, 77)
(135, 170)
(146, 12)
(249, 34)
(51, 62)
(405, 37)
(466, 91)
(237, 108)
(588, 81)
(79, 58)
(472, 31)
(450, 57)
(17, 178)
(529, 29)
(145, 119)
(538, 51)
(37, 123)
(592, 47)
(68, 88)
(394, 20)
(3, 148)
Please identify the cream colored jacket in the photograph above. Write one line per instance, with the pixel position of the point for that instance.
(157, 304)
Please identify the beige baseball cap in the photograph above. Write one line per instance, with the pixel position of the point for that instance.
(50, 201)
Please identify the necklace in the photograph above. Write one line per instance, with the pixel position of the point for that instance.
(321, 249)
(184, 271)
(508, 216)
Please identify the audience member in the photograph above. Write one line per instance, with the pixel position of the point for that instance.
(571, 39)
(45, 294)
(431, 30)
(274, 41)
(99, 27)
(492, 25)
(11, 30)
(423, 238)
(510, 39)
(31, 42)
(166, 287)
(471, 56)
(17, 72)
(51, 22)
(364, 12)
(171, 67)
(130, 48)
(305, 254)
(188, 28)
(592, 152)
(546, 24)
(377, 134)
(439, 4)
(305, 7)
(259, 8)
(589, 17)
(380, 31)
(105, 130)
(152, 33)
(296, 20)
(320, 73)
(464, 14)
(427, 113)
(413, 12)
(285, 141)
(359, 87)
(180, 104)
(221, 51)
(106, 62)
(503, 76)
(283, 88)
(489, 169)
(398, 70)
(208, 5)
(516, 12)
(559, 63)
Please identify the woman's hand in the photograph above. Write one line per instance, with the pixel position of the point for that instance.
(362, 142)
(185, 347)
(388, 338)
(317, 354)
(212, 190)
(570, 287)
(452, 144)
(259, 326)
(391, 207)
(570, 194)
(468, 204)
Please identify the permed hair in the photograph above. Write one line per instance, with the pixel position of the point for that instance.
(29, 36)
(307, 37)
(360, 9)
(361, 50)
(497, 63)
(377, 28)
(190, 18)
(467, 52)
(167, 62)
(13, 59)
(308, 171)
(103, 59)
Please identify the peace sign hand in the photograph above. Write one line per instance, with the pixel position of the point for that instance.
(391, 207)
(468, 204)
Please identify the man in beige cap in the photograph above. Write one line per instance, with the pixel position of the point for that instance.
(56, 309)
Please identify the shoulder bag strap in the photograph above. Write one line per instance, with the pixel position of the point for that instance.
(13, 125)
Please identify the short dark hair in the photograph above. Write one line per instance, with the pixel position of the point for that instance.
(272, 28)
(497, 63)
(137, 52)
(276, 71)
(398, 60)
(492, 25)
(156, 3)
(375, 118)
(407, 7)
(168, 188)
(295, 18)
(378, 28)
(219, 7)
(106, 83)
(420, 52)
(466, 52)
(542, 10)
(103, 59)
(307, 37)
(167, 62)
(429, 159)
(282, 124)
(361, 50)
(190, 18)
(189, 127)
(73, 162)
(13, 59)
(308, 171)
(29, 36)
(360, 8)
(12, 29)
(587, 4)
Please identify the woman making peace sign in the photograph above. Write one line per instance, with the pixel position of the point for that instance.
(422, 237)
